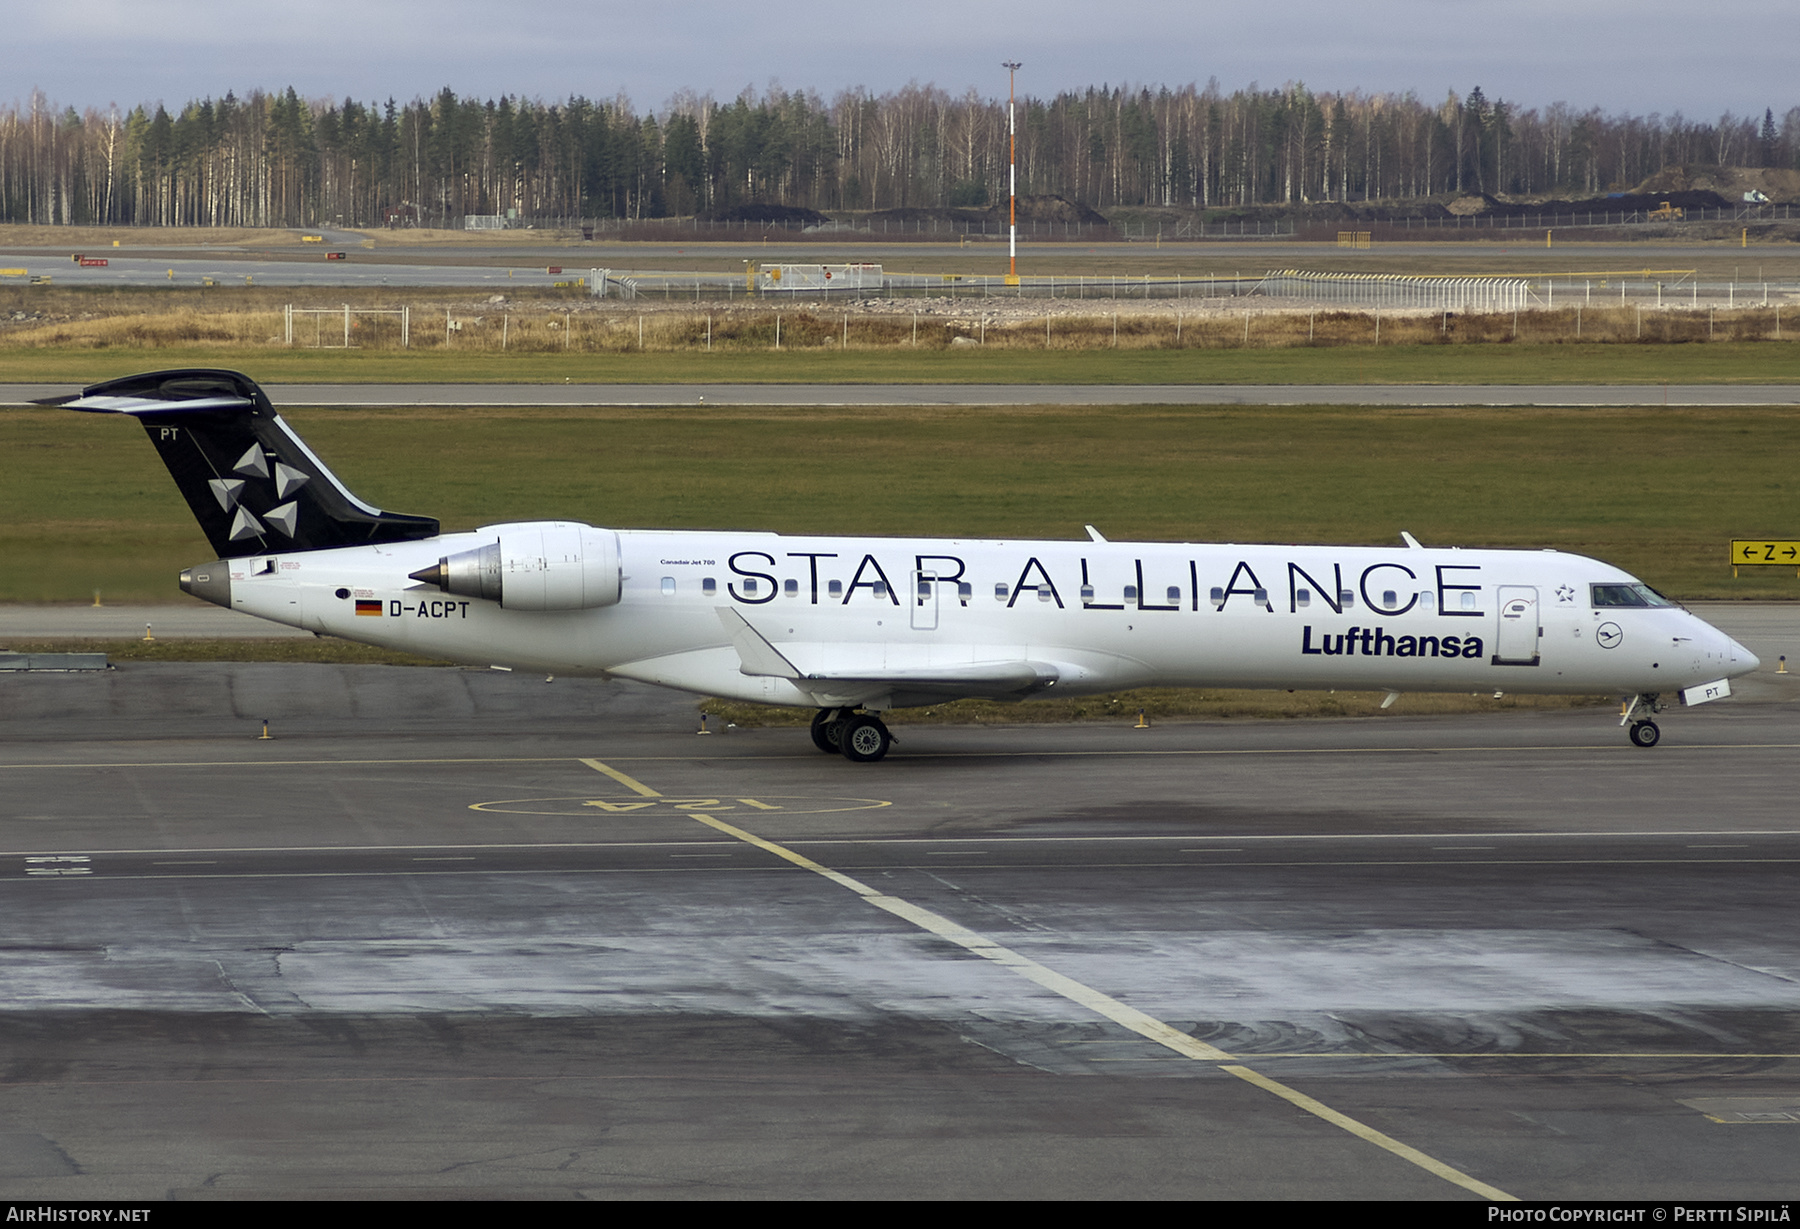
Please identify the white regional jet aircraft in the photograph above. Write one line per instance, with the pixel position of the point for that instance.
(855, 626)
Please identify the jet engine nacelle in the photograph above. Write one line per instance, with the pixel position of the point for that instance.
(536, 565)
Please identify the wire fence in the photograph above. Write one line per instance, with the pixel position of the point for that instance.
(938, 227)
(1270, 324)
(359, 326)
(921, 227)
(1585, 219)
(1650, 288)
(1482, 294)
(749, 285)
(1656, 288)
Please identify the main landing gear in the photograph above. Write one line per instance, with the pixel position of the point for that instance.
(1644, 732)
(860, 738)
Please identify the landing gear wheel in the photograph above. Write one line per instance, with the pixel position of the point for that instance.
(828, 731)
(1645, 733)
(865, 739)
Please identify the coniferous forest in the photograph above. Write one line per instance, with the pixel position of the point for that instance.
(277, 159)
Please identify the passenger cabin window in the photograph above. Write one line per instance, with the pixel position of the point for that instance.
(879, 589)
(835, 588)
(1000, 591)
(1044, 593)
(1087, 593)
(1303, 597)
(709, 586)
(1131, 593)
(668, 586)
(1174, 593)
(1468, 601)
(1346, 598)
(1427, 600)
(1217, 595)
(750, 585)
(1261, 597)
(924, 588)
(790, 588)
(1389, 598)
(964, 591)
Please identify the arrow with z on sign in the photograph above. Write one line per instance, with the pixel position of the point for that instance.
(1764, 552)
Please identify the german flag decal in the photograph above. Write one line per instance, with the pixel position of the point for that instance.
(368, 608)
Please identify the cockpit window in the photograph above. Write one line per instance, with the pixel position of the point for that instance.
(1627, 595)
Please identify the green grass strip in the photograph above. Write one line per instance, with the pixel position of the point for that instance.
(86, 505)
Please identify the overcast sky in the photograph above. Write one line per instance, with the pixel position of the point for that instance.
(1700, 57)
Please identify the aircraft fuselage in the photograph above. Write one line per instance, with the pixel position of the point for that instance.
(872, 614)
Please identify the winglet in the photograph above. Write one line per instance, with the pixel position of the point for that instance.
(758, 656)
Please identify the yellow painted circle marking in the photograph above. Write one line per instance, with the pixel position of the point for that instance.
(587, 804)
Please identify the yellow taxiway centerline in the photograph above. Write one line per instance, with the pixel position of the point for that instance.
(637, 787)
(1086, 996)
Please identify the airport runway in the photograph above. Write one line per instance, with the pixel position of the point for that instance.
(308, 269)
(458, 262)
(456, 933)
(835, 395)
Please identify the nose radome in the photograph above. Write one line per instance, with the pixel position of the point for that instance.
(1743, 661)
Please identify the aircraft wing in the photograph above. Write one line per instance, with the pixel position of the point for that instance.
(853, 674)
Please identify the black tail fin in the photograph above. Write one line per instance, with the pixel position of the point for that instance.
(254, 486)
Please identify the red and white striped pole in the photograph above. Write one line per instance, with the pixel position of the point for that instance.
(1012, 178)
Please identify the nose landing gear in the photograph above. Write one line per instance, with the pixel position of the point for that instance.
(1644, 732)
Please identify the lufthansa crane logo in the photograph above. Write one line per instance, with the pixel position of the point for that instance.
(1609, 635)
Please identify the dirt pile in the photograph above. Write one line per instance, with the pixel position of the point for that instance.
(1031, 209)
(1471, 206)
(769, 215)
(1052, 209)
(1731, 182)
